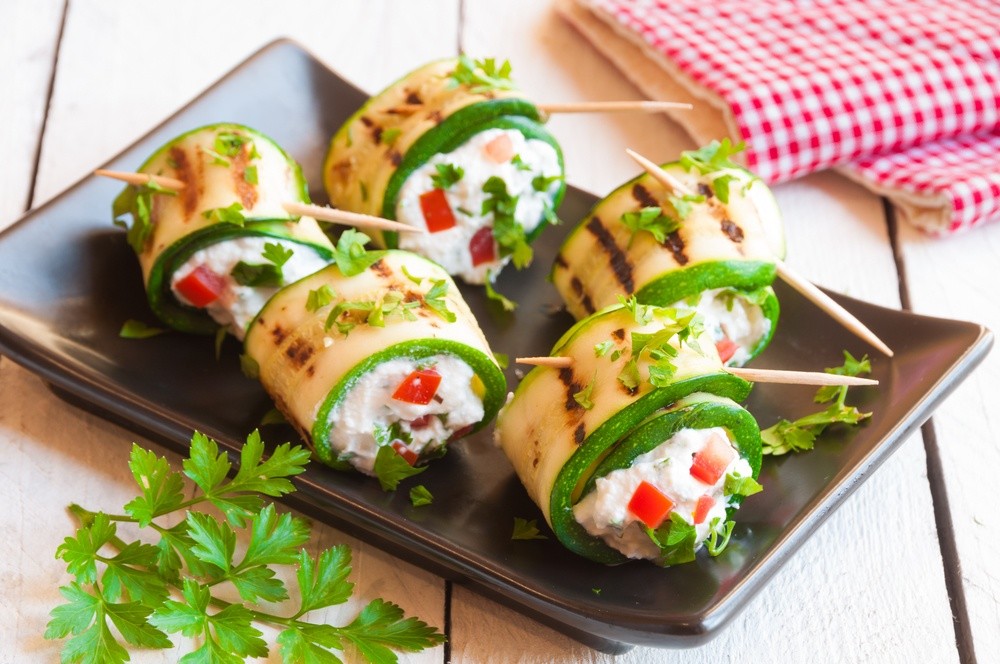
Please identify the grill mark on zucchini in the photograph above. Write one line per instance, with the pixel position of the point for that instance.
(676, 246)
(278, 334)
(585, 300)
(619, 262)
(395, 157)
(705, 190)
(580, 434)
(246, 191)
(572, 387)
(435, 117)
(413, 98)
(377, 134)
(381, 269)
(189, 195)
(734, 232)
(619, 334)
(299, 352)
(642, 195)
(560, 261)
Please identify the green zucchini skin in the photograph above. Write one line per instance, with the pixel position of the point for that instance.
(177, 226)
(308, 368)
(611, 451)
(515, 114)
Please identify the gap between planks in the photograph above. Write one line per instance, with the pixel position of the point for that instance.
(935, 479)
(36, 162)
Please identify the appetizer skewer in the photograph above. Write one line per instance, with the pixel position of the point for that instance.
(213, 251)
(671, 245)
(383, 360)
(455, 149)
(789, 276)
(639, 448)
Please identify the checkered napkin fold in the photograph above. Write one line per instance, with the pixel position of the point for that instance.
(901, 95)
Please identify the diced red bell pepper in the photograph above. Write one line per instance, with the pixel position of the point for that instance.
(649, 505)
(727, 348)
(437, 213)
(702, 507)
(201, 287)
(421, 422)
(482, 247)
(409, 456)
(419, 387)
(500, 149)
(711, 462)
(461, 432)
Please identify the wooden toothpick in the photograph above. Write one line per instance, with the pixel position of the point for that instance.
(642, 106)
(752, 375)
(292, 207)
(789, 276)
(348, 218)
(142, 178)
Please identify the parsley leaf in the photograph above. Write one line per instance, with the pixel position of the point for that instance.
(491, 293)
(390, 136)
(683, 204)
(481, 75)
(136, 329)
(737, 485)
(319, 298)
(509, 234)
(420, 496)
(137, 201)
(603, 348)
(436, 300)
(277, 253)
(653, 221)
(254, 275)
(200, 552)
(677, 540)
(714, 546)
(800, 435)
(583, 396)
(519, 163)
(542, 183)
(715, 156)
(250, 175)
(350, 253)
(447, 175)
(525, 529)
(391, 468)
(230, 144)
(229, 215)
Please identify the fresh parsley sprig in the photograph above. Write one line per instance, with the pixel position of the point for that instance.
(509, 235)
(137, 202)
(712, 158)
(138, 593)
(800, 435)
(481, 75)
(651, 220)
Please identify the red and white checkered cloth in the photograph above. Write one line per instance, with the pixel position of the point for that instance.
(902, 95)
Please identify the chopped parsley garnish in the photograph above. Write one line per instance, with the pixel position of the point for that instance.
(229, 144)
(800, 435)
(603, 348)
(714, 546)
(272, 417)
(229, 215)
(503, 360)
(519, 163)
(509, 234)
(249, 367)
(319, 298)
(583, 396)
(526, 530)
(137, 201)
(683, 325)
(712, 158)
(491, 293)
(653, 221)
(677, 540)
(250, 174)
(420, 496)
(447, 175)
(390, 136)
(391, 468)
(683, 204)
(264, 274)
(737, 485)
(136, 329)
(542, 183)
(217, 159)
(481, 75)
(435, 298)
(350, 253)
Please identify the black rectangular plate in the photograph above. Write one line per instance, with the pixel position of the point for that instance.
(68, 281)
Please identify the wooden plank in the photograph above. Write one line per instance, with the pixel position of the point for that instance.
(123, 68)
(28, 35)
(851, 586)
(956, 277)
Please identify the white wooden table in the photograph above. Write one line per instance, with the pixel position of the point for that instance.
(904, 571)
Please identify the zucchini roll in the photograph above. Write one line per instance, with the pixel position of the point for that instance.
(452, 148)
(213, 252)
(638, 449)
(714, 251)
(389, 356)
